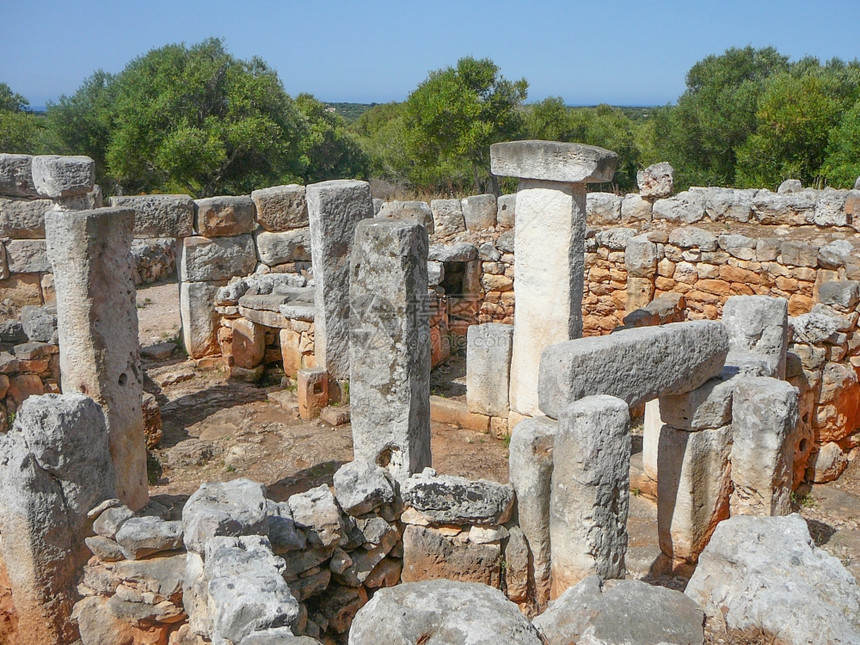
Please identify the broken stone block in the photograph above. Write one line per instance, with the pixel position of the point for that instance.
(39, 323)
(312, 390)
(656, 180)
(830, 462)
(687, 207)
(56, 466)
(669, 359)
(219, 258)
(98, 330)
(530, 459)
(249, 343)
(764, 416)
(283, 247)
(590, 492)
(225, 216)
(159, 215)
(706, 407)
(758, 324)
(111, 520)
(317, 514)
(230, 508)
(389, 346)
(361, 487)
(281, 208)
(693, 488)
(420, 211)
(16, 175)
(844, 293)
(479, 212)
(140, 537)
(428, 555)
(455, 613)
(640, 257)
(448, 499)
(447, 217)
(335, 208)
(335, 415)
(766, 573)
(488, 366)
(58, 176)
(621, 611)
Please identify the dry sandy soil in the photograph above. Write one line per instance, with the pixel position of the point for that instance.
(218, 429)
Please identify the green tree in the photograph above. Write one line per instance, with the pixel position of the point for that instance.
(795, 116)
(182, 119)
(19, 128)
(715, 115)
(329, 150)
(454, 115)
(381, 132)
(842, 163)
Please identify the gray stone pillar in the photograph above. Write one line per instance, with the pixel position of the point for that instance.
(530, 472)
(55, 466)
(488, 368)
(389, 345)
(590, 492)
(98, 331)
(764, 417)
(549, 248)
(334, 209)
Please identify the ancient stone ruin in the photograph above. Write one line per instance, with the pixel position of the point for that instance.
(739, 351)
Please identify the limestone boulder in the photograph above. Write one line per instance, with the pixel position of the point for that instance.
(225, 216)
(441, 612)
(159, 215)
(417, 210)
(758, 324)
(16, 175)
(430, 555)
(767, 572)
(317, 513)
(789, 186)
(140, 537)
(448, 499)
(217, 258)
(621, 611)
(285, 246)
(27, 256)
(361, 487)
(603, 208)
(58, 176)
(684, 208)
(230, 508)
(23, 218)
(656, 180)
(479, 212)
(281, 208)
(447, 217)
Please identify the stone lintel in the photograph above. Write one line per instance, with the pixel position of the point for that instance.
(574, 163)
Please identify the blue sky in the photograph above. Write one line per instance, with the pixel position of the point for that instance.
(623, 53)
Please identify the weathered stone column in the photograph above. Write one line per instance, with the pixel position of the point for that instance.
(389, 345)
(590, 491)
(530, 472)
(764, 416)
(334, 210)
(55, 466)
(549, 248)
(488, 368)
(97, 324)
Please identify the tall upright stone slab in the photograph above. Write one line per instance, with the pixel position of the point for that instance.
(488, 368)
(334, 209)
(590, 492)
(530, 467)
(98, 331)
(55, 466)
(764, 418)
(389, 345)
(549, 248)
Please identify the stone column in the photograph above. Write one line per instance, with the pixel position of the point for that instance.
(530, 472)
(334, 209)
(590, 491)
(389, 345)
(98, 331)
(488, 367)
(549, 248)
(55, 466)
(764, 416)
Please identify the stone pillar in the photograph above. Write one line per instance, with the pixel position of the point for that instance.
(590, 492)
(389, 344)
(764, 416)
(334, 209)
(55, 466)
(98, 331)
(488, 368)
(530, 472)
(757, 326)
(549, 248)
(651, 424)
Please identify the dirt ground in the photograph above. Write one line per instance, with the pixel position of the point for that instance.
(216, 429)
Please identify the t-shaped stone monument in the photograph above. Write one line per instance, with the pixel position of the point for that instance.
(549, 248)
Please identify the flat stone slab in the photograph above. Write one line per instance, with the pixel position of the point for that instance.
(635, 365)
(573, 163)
(447, 499)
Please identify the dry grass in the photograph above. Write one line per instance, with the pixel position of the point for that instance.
(749, 636)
